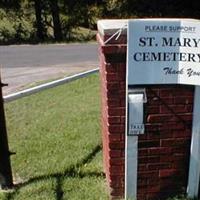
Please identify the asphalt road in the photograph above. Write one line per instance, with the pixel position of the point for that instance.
(24, 65)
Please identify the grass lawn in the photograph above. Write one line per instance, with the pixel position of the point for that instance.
(56, 137)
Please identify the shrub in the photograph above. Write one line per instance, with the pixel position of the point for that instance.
(15, 28)
(24, 30)
(7, 31)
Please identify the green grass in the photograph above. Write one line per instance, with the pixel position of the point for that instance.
(57, 141)
(56, 137)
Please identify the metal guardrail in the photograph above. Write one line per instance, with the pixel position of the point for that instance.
(45, 86)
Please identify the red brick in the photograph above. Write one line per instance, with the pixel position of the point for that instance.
(152, 135)
(148, 143)
(153, 181)
(114, 137)
(152, 196)
(116, 145)
(157, 101)
(153, 189)
(186, 116)
(161, 118)
(160, 151)
(115, 153)
(114, 120)
(183, 92)
(148, 159)
(182, 133)
(112, 86)
(142, 182)
(143, 137)
(151, 92)
(110, 68)
(117, 193)
(122, 85)
(141, 196)
(114, 93)
(116, 178)
(142, 167)
(153, 109)
(120, 111)
(122, 102)
(142, 152)
(181, 150)
(122, 93)
(113, 102)
(179, 164)
(166, 158)
(183, 100)
(116, 128)
(172, 126)
(147, 174)
(152, 127)
(163, 173)
(117, 161)
(157, 166)
(117, 170)
(117, 184)
(112, 77)
(174, 142)
(123, 119)
(175, 108)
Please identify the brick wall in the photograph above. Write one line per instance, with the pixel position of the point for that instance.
(163, 151)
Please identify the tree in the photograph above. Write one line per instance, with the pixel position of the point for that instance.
(10, 4)
(56, 20)
(39, 22)
(43, 9)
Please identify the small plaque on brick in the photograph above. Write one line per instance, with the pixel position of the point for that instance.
(136, 129)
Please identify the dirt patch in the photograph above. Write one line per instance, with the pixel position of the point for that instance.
(20, 78)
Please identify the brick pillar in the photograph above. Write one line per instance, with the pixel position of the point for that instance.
(163, 151)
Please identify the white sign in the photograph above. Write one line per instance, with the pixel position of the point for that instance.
(163, 51)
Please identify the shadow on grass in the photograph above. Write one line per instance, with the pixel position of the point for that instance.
(72, 171)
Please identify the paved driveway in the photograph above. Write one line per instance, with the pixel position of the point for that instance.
(27, 64)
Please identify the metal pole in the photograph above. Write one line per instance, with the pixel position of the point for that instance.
(6, 180)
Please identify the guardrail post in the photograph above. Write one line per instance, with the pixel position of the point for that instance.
(6, 180)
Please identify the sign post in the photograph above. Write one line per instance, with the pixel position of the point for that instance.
(6, 181)
(194, 169)
(135, 127)
(161, 51)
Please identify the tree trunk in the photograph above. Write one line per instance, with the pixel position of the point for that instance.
(56, 20)
(39, 23)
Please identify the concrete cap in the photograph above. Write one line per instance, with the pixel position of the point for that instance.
(111, 26)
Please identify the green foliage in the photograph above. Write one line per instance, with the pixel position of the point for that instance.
(95, 12)
(113, 8)
(7, 31)
(24, 30)
(180, 197)
(14, 28)
(20, 24)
